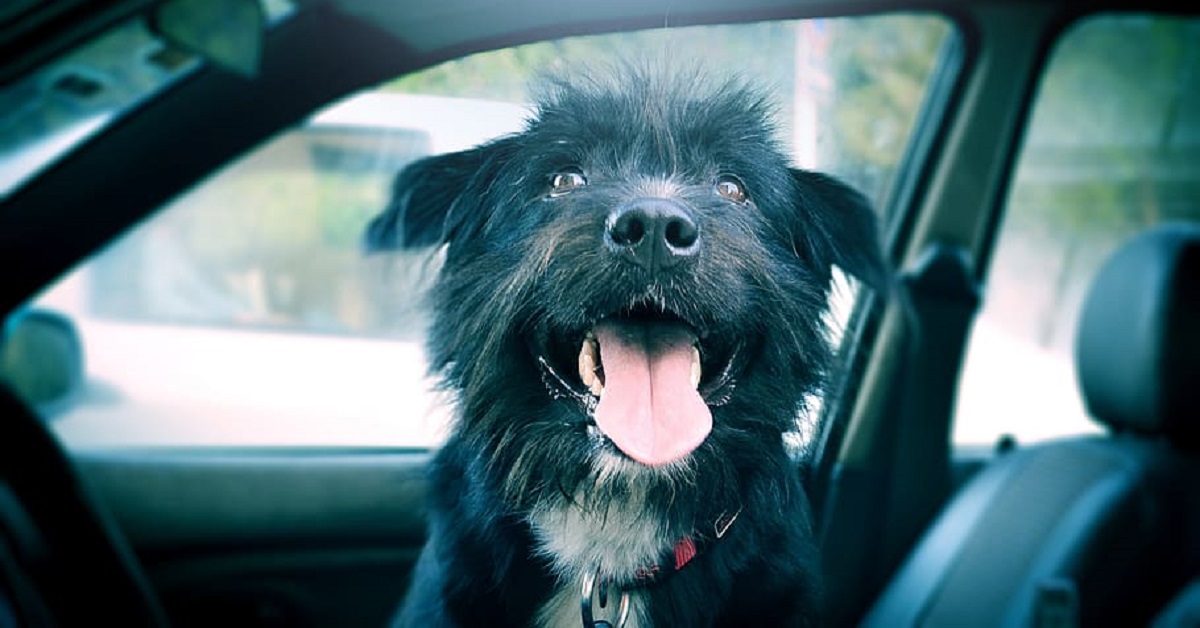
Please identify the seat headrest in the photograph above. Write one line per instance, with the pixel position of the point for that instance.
(1138, 345)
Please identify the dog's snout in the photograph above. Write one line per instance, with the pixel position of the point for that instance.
(654, 232)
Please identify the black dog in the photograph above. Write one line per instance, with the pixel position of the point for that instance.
(629, 313)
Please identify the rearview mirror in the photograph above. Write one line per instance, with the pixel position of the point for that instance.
(228, 33)
(41, 359)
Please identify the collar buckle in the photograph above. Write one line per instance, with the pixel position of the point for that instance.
(589, 591)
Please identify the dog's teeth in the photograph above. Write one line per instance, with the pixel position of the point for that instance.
(587, 364)
(588, 359)
(696, 367)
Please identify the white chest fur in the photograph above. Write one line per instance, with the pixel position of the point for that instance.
(610, 540)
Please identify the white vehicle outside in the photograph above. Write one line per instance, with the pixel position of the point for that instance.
(158, 383)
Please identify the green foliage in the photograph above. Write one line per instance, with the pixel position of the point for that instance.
(882, 67)
(763, 51)
(1105, 151)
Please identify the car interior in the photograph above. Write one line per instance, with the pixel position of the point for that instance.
(1040, 527)
(1096, 528)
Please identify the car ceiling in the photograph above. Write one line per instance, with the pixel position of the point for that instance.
(463, 24)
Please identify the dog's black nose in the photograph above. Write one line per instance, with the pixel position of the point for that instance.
(654, 232)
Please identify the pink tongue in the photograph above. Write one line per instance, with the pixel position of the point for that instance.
(649, 408)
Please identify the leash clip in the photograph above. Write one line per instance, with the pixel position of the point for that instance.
(585, 603)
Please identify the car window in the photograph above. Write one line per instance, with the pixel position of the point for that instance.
(1111, 150)
(245, 313)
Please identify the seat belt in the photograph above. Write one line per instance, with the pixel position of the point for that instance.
(874, 514)
(944, 298)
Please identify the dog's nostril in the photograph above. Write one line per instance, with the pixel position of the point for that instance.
(628, 229)
(681, 233)
(653, 232)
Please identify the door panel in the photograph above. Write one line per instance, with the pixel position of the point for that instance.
(270, 537)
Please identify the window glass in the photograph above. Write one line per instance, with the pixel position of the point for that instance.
(245, 313)
(1112, 149)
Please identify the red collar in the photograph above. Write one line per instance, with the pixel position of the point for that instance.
(686, 549)
(682, 553)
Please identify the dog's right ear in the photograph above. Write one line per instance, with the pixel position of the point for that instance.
(844, 231)
(422, 211)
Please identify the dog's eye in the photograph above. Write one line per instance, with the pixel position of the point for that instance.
(731, 188)
(565, 181)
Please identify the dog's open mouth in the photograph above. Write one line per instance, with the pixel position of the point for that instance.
(647, 379)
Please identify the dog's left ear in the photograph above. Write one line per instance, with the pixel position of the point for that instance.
(842, 230)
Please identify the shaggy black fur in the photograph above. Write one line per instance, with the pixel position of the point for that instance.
(528, 271)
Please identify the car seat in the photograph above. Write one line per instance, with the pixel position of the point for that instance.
(1100, 530)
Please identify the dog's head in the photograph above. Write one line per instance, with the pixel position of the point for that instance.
(638, 274)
